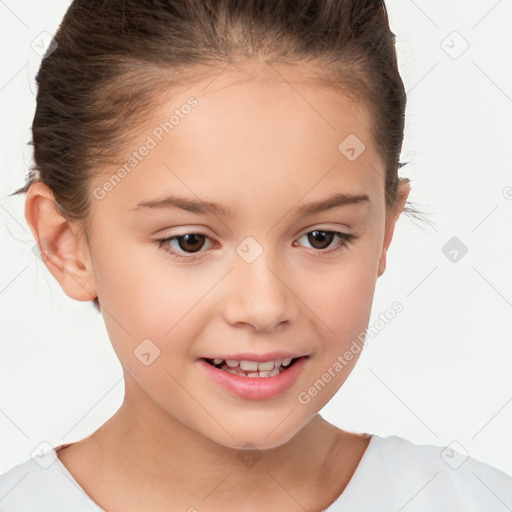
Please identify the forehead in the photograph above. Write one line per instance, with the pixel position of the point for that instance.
(252, 105)
(265, 130)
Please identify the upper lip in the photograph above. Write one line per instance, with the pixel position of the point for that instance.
(270, 356)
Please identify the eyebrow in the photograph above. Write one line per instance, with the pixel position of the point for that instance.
(203, 207)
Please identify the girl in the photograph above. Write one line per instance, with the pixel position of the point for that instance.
(220, 178)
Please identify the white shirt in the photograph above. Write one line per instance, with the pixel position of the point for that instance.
(393, 475)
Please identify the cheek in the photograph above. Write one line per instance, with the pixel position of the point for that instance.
(145, 294)
(148, 320)
(342, 307)
(151, 306)
(348, 319)
(341, 299)
(342, 310)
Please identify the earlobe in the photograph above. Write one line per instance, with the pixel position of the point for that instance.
(59, 244)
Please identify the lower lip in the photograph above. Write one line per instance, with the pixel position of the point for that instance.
(255, 388)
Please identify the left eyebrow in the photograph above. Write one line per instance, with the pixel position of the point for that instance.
(202, 207)
(335, 201)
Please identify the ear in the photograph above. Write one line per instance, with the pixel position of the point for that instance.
(60, 243)
(391, 218)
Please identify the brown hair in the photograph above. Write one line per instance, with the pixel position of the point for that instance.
(113, 58)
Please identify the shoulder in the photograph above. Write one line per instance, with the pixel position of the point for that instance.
(421, 477)
(42, 484)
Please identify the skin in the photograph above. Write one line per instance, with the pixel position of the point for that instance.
(257, 146)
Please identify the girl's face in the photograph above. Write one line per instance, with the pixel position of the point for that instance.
(258, 277)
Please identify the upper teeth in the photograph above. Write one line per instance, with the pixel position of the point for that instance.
(255, 365)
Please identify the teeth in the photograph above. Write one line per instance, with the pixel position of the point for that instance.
(249, 365)
(264, 374)
(267, 365)
(255, 368)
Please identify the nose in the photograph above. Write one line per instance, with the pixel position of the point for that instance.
(258, 296)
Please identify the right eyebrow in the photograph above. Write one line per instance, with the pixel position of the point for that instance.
(191, 205)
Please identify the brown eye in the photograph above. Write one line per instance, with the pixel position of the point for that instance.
(185, 246)
(320, 239)
(191, 242)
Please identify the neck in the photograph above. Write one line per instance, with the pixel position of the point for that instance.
(173, 463)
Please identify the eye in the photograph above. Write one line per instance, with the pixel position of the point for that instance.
(188, 246)
(322, 238)
(190, 243)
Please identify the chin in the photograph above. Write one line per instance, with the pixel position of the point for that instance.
(256, 435)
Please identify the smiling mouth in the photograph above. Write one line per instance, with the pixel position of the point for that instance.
(253, 368)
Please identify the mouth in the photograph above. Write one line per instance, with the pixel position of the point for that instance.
(255, 380)
(254, 369)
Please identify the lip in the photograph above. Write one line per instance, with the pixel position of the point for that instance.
(255, 388)
(260, 358)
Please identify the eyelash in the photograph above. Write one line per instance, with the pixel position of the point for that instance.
(346, 238)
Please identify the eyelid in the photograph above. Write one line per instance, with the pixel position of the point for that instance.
(344, 231)
(159, 242)
(346, 239)
(324, 227)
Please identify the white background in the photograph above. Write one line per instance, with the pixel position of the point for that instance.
(440, 372)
